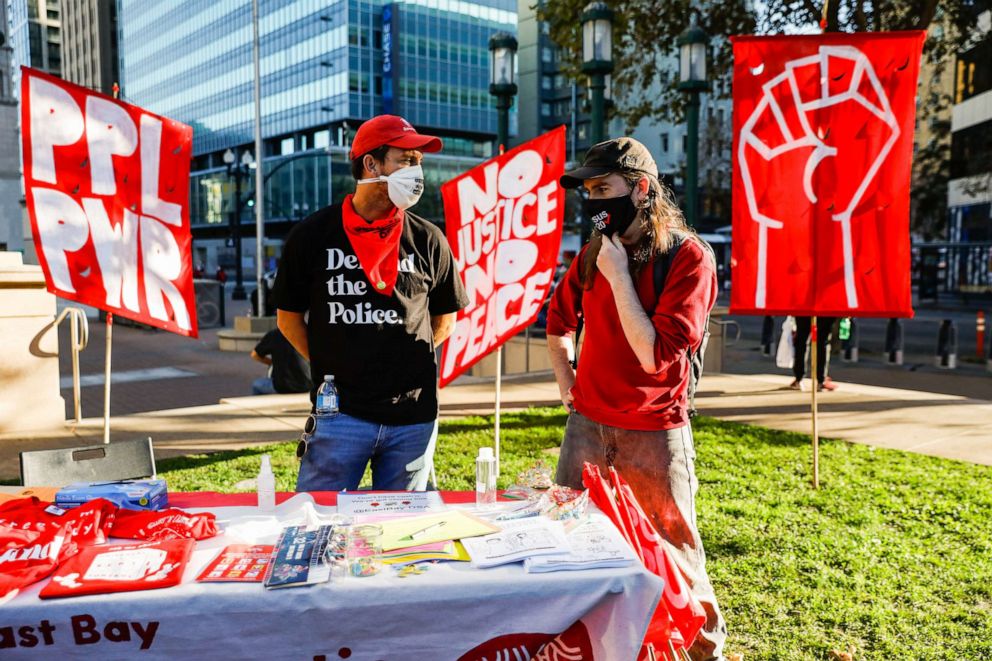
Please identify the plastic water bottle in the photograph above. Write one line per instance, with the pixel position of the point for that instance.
(485, 479)
(327, 397)
(266, 486)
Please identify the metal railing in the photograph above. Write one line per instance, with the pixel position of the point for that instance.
(79, 331)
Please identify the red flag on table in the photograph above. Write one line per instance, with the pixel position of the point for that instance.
(823, 145)
(679, 615)
(107, 187)
(503, 220)
(681, 608)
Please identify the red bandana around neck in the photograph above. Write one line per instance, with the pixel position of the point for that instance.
(377, 245)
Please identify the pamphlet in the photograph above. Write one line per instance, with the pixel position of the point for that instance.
(436, 527)
(594, 544)
(238, 563)
(299, 558)
(352, 504)
(524, 538)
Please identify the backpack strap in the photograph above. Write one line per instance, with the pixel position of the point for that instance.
(663, 264)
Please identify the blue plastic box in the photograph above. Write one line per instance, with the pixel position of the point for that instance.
(127, 494)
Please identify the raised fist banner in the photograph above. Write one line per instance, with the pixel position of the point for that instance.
(823, 143)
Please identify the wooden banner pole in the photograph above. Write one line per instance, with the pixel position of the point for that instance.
(499, 374)
(106, 378)
(108, 351)
(813, 374)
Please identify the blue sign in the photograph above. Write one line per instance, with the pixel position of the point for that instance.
(387, 59)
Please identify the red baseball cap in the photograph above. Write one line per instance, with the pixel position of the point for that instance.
(393, 131)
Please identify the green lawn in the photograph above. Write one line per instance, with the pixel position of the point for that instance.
(892, 555)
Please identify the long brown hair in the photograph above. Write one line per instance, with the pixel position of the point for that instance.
(658, 215)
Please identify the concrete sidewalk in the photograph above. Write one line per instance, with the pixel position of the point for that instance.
(934, 424)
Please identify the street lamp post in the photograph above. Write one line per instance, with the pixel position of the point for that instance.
(237, 170)
(502, 85)
(692, 80)
(597, 61)
(502, 81)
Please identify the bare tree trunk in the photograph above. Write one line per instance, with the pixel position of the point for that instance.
(925, 14)
(860, 20)
(833, 16)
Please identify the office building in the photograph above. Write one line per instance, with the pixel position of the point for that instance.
(326, 67)
(11, 214)
(969, 192)
(89, 44)
(35, 35)
(549, 99)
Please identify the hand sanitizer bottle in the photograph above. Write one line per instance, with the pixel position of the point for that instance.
(266, 486)
(485, 479)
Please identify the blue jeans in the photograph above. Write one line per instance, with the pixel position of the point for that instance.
(340, 447)
(263, 386)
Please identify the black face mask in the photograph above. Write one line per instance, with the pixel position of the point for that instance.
(613, 215)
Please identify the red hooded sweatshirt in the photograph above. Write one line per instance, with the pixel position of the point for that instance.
(611, 388)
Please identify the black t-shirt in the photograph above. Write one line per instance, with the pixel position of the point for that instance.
(379, 348)
(290, 371)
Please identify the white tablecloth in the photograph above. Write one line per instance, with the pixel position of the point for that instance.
(452, 611)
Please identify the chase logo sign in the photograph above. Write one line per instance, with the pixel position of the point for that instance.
(387, 59)
(387, 40)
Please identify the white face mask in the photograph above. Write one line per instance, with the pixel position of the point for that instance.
(406, 185)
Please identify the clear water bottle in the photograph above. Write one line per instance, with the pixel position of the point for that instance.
(327, 397)
(266, 486)
(485, 479)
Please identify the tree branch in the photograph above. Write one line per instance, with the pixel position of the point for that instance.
(925, 14)
(860, 20)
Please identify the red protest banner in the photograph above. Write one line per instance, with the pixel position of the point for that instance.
(504, 221)
(823, 145)
(107, 188)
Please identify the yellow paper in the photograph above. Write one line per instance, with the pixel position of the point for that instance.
(454, 524)
(452, 551)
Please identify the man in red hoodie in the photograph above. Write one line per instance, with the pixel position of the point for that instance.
(628, 397)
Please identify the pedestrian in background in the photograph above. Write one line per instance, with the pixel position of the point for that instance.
(289, 372)
(824, 328)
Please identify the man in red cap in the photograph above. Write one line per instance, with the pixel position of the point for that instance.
(366, 291)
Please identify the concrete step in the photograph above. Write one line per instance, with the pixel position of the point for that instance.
(246, 333)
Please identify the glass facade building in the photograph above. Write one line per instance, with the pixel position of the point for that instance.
(35, 36)
(326, 67)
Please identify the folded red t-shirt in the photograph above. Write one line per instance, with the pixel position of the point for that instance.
(36, 536)
(121, 568)
(163, 524)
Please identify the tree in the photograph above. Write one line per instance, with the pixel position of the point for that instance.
(645, 34)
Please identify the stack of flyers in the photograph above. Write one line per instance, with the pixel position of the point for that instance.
(240, 563)
(300, 557)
